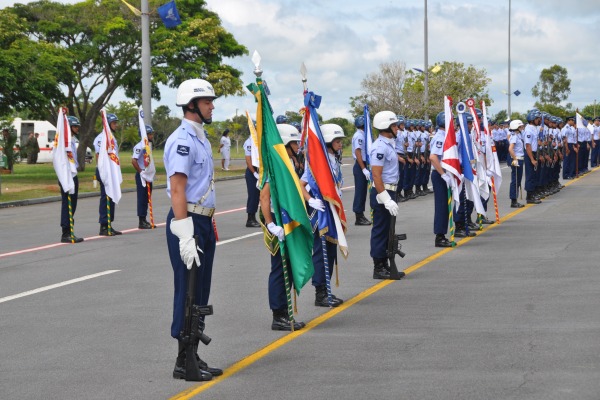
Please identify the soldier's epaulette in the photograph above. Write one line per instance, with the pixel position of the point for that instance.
(182, 133)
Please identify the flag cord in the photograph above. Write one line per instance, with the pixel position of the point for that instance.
(71, 218)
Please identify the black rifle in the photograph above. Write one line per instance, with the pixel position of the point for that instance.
(193, 326)
(394, 247)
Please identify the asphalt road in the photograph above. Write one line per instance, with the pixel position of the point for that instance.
(513, 313)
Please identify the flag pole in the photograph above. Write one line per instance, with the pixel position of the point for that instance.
(109, 225)
(450, 218)
(150, 204)
(495, 201)
(282, 248)
(71, 218)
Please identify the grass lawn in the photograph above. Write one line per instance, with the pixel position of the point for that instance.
(39, 180)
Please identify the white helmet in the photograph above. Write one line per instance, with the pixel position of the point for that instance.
(194, 89)
(514, 125)
(288, 133)
(331, 131)
(384, 119)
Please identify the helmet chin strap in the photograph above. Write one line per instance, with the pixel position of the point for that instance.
(197, 111)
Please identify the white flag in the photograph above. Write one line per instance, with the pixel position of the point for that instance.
(150, 169)
(109, 164)
(63, 164)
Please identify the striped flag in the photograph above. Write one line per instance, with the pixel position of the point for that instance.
(108, 163)
(493, 164)
(450, 159)
(468, 163)
(332, 221)
(62, 160)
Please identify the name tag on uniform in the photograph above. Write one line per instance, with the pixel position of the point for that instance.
(380, 156)
(183, 150)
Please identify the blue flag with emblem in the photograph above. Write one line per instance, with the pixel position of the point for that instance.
(169, 15)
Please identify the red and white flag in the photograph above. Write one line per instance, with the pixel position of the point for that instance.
(450, 161)
(108, 163)
(62, 158)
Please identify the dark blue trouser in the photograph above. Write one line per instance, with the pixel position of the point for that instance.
(277, 296)
(64, 209)
(440, 198)
(582, 159)
(318, 278)
(409, 176)
(465, 209)
(203, 228)
(530, 175)
(360, 189)
(253, 193)
(142, 196)
(569, 162)
(516, 175)
(381, 226)
(400, 175)
(595, 153)
(103, 220)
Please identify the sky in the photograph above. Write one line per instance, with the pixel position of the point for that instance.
(341, 42)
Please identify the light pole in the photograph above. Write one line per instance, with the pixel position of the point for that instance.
(509, 90)
(426, 69)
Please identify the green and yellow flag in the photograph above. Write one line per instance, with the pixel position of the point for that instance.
(286, 194)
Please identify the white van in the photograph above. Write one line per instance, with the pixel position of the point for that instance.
(47, 133)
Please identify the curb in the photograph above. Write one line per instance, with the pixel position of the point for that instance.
(42, 200)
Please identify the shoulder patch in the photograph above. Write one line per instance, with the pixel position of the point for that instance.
(183, 150)
(137, 150)
(380, 156)
(439, 144)
(360, 141)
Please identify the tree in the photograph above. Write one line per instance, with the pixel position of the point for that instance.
(163, 124)
(502, 115)
(396, 89)
(554, 85)
(128, 134)
(104, 52)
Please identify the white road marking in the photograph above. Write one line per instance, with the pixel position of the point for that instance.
(57, 285)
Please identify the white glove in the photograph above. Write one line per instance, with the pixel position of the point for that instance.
(489, 173)
(143, 177)
(277, 231)
(385, 199)
(367, 173)
(256, 175)
(515, 163)
(316, 204)
(448, 178)
(184, 230)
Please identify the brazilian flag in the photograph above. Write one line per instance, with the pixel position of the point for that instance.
(286, 194)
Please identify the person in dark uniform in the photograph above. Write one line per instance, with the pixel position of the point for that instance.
(251, 176)
(361, 173)
(140, 161)
(190, 186)
(384, 166)
(113, 123)
(440, 180)
(64, 209)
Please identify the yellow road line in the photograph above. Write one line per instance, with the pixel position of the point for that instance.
(252, 358)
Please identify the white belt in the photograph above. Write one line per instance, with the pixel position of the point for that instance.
(198, 209)
(520, 158)
(389, 186)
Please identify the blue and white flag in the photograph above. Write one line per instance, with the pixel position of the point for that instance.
(169, 15)
(467, 162)
(368, 137)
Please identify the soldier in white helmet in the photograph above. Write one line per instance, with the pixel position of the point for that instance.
(190, 186)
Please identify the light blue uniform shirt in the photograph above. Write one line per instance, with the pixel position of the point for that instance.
(531, 134)
(383, 154)
(596, 132)
(358, 142)
(74, 142)
(138, 154)
(98, 143)
(517, 139)
(412, 138)
(188, 155)
(437, 145)
(423, 136)
(248, 147)
(400, 139)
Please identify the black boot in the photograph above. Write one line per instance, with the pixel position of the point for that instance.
(144, 224)
(441, 241)
(252, 222)
(201, 363)
(66, 236)
(105, 232)
(515, 204)
(426, 190)
(380, 269)
(531, 199)
(180, 367)
(321, 298)
(281, 322)
(361, 220)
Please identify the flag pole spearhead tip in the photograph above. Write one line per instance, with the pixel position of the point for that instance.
(256, 61)
(303, 71)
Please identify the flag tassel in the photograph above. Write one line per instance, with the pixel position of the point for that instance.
(450, 218)
(150, 204)
(495, 201)
(109, 225)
